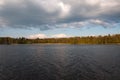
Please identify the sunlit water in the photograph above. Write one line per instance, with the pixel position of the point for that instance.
(59, 62)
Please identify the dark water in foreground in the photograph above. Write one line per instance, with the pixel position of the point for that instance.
(59, 62)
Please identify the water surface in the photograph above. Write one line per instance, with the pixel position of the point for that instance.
(59, 62)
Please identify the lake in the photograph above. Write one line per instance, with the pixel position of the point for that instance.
(59, 62)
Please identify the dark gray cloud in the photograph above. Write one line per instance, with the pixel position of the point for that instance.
(50, 14)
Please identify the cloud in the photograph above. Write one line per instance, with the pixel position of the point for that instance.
(50, 14)
(37, 36)
(80, 24)
(42, 36)
(59, 36)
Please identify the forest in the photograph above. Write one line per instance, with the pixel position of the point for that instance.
(107, 39)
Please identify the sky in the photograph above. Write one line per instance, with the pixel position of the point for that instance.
(59, 18)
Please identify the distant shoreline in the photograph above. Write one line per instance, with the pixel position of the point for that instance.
(107, 39)
(61, 44)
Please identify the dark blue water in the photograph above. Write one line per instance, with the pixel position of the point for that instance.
(59, 62)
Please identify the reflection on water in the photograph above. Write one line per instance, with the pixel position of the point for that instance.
(59, 62)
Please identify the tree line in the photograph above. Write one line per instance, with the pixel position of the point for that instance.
(107, 39)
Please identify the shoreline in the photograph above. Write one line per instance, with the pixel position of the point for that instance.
(62, 44)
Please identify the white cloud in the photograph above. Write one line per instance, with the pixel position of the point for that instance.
(80, 24)
(42, 36)
(47, 5)
(37, 36)
(50, 14)
(92, 2)
(101, 23)
(65, 9)
(52, 6)
(1, 2)
(59, 36)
